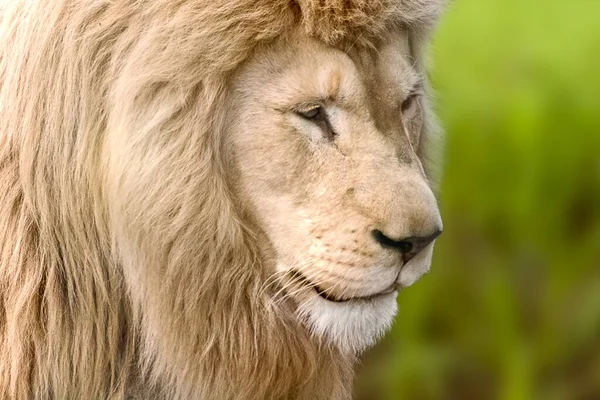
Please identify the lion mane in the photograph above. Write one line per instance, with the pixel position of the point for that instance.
(126, 269)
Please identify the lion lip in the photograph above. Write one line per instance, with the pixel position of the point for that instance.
(394, 287)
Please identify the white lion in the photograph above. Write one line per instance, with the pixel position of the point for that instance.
(208, 199)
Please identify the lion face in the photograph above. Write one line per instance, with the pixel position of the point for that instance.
(324, 142)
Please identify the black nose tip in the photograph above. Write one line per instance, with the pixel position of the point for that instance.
(410, 246)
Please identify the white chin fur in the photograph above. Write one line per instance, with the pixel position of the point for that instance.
(352, 326)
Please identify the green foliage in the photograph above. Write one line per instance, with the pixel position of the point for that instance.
(511, 307)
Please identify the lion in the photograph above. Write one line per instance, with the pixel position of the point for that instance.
(209, 199)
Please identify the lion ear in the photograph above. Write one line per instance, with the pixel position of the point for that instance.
(336, 20)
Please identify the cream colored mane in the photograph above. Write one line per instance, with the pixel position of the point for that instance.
(138, 276)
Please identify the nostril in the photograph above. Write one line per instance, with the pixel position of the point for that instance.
(405, 246)
(409, 246)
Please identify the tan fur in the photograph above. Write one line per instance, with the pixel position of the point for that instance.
(128, 266)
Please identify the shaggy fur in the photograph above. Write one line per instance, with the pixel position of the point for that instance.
(126, 268)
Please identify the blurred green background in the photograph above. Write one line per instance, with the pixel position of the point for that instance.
(511, 307)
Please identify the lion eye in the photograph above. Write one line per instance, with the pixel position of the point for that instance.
(318, 116)
(313, 113)
(410, 100)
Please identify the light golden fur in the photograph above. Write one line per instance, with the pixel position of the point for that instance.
(131, 265)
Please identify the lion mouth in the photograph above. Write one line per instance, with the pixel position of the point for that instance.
(303, 280)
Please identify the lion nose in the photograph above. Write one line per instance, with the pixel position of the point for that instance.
(409, 247)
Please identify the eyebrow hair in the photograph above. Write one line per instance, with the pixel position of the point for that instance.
(417, 87)
(410, 81)
(334, 82)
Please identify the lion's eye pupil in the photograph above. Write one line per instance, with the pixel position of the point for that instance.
(406, 104)
(318, 116)
(313, 113)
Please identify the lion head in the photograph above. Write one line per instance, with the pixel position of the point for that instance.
(325, 146)
(215, 200)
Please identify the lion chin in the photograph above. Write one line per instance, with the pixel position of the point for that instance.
(208, 199)
(354, 324)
